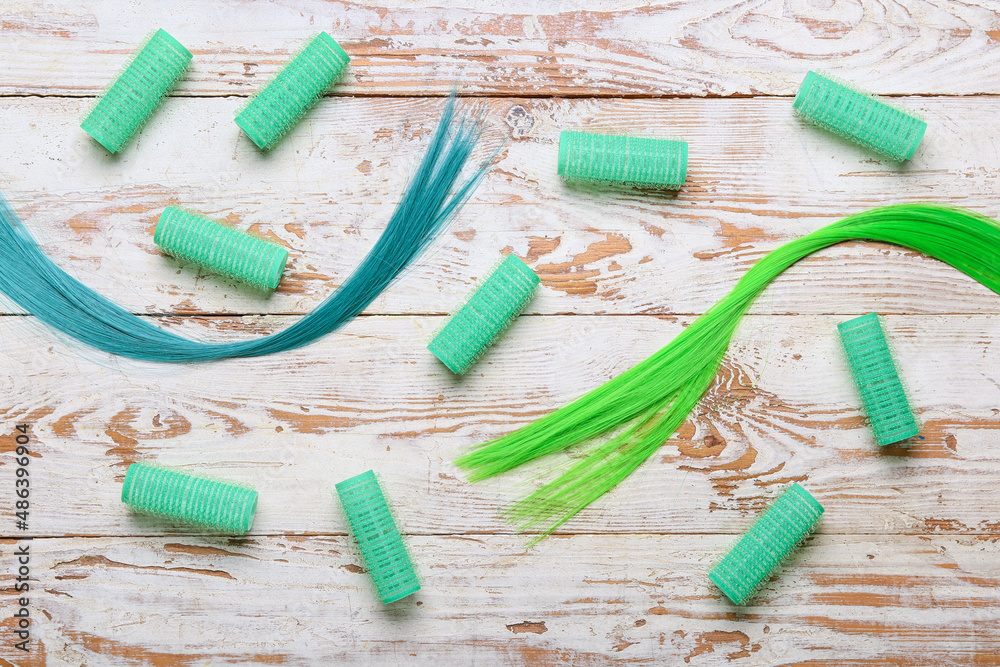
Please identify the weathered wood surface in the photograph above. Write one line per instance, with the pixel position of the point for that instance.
(758, 178)
(904, 568)
(899, 600)
(699, 48)
(783, 410)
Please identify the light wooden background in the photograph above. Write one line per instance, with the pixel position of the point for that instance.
(904, 569)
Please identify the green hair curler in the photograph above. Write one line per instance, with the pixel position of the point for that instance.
(226, 250)
(774, 535)
(192, 499)
(877, 378)
(615, 159)
(274, 110)
(844, 109)
(487, 313)
(375, 531)
(128, 102)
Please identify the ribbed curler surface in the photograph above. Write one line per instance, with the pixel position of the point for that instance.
(193, 238)
(614, 159)
(376, 534)
(863, 118)
(199, 501)
(275, 109)
(877, 378)
(769, 540)
(487, 313)
(131, 98)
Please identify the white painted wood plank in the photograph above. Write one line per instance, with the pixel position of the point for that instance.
(697, 48)
(758, 178)
(783, 409)
(577, 600)
(904, 568)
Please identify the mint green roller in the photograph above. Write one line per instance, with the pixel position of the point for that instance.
(226, 250)
(132, 97)
(191, 499)
(617, 159)
(490, 310)
(275, 109)
(773, 536)
(877, 378)
(843, 109)
(375, 531)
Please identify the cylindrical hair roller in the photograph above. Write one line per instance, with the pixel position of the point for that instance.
(877, 378)
(275, 109)
(193, 238)
(199, 501)
(131, 98)
(378, 537)
(616, 159)
(768, 541)
(487, 313)
(844, 109)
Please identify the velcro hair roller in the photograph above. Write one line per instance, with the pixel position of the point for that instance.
(274, 110)
(622, 160)
(132, 97)
(774, 535)
(378, 537)
(225, 250)
(171, 494)
(488, 312)
(877, 377)
(865, 119)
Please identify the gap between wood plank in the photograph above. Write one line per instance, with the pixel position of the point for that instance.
(519, 95)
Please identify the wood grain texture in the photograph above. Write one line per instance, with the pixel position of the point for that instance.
(302, 601)
(758, 178)
(783, 409)
(903, 569)
(699, 48)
